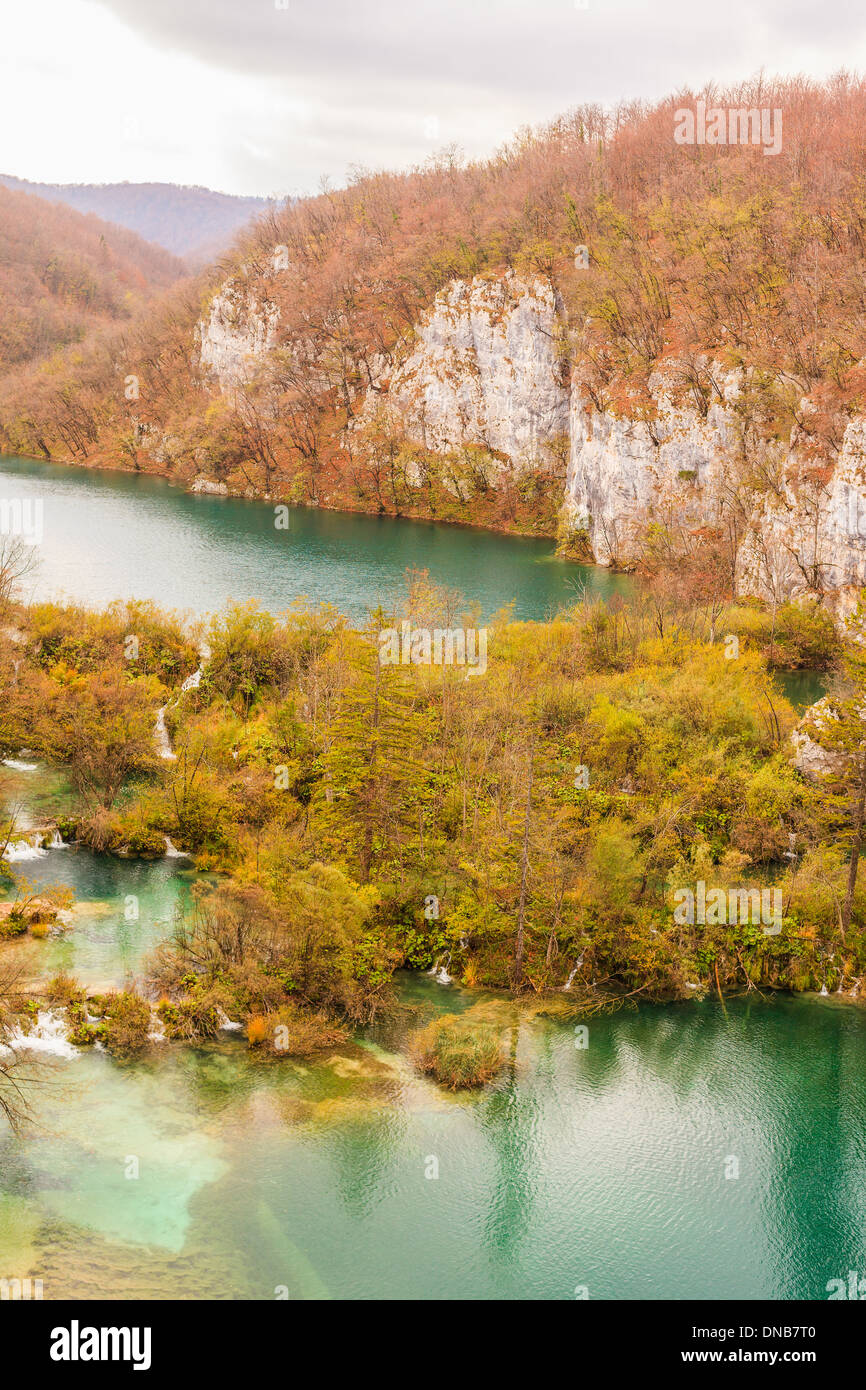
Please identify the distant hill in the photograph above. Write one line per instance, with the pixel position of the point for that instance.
(192, 222)
(64, 274)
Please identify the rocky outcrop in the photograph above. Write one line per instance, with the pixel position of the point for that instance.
(239, 331)
(812, 535)
(209, 487)
(810, 755)
(485, 368)
(624, 473)
(804, 536)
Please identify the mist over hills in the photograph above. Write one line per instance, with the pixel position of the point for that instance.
(195, 223)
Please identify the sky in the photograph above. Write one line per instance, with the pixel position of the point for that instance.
(270, 97)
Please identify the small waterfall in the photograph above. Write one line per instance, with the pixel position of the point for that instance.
(171, 851)
(226, 1025)
(157, 1032)
(570, 979)
(440, 972)
(824, 990)
(161, 740)
(19, 850)
(192, 682)
(48, 1035)
(57, 841)
(18, 766)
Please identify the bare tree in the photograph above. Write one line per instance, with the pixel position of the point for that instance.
(17, 560)
(13, 1097)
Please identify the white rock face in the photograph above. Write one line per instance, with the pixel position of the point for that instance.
(484, 369)
(810, 756)
(236, 335)
(809, 538)
(208, 486)
(620, 475)
(813, 537)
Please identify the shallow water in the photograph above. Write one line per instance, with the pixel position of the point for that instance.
(209, 1173)
(602, 1167)
(122, 907)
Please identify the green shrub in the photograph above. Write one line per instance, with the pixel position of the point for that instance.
(457, 1051)
(13, 925)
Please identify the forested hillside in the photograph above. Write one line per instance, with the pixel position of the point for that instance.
(696, 264)
(63, 276)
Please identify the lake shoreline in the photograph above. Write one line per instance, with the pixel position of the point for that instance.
(187, 486)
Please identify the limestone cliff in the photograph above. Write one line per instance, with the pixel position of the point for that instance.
(239, 330)
(488, 365)
(624, 473)
(810, 535)
(486, 368)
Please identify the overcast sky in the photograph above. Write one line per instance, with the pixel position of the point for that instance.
(267, 96)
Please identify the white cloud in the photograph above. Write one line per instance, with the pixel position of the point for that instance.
(246, 97)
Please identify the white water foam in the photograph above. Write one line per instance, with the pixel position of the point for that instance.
(192, 682)
(161, 740)
(48, 1035)
(226, 1025)
(19, 850)
(171, 851)
(439, 972)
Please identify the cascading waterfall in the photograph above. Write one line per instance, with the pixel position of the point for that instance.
(225, 1023)
(157, 1032)
(570, 979)
(48, 1035)
(161, 740)
(192, 682)
(172, 852)
(440, 972)
(19, 850)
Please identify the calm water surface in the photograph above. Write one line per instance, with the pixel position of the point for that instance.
(118, 535)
